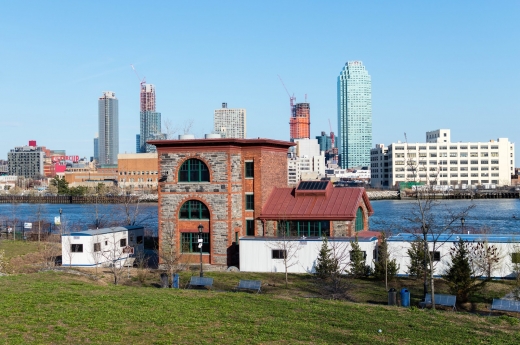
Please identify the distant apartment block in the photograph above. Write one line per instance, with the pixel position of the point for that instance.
(26, 161)
(438, 161)
(108, 121)
(230, 123)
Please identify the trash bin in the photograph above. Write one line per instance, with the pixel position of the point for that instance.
(392, 296)
(405, 297)
(175, 284)
(164, 280)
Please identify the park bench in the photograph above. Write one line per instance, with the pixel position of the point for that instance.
(249, 285)
(440, 299)
(505, 305)
(200, 282)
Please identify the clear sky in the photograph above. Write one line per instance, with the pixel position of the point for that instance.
(437, 64)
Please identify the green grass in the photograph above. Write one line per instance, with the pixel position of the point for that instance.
(57, 308)
(17, 248)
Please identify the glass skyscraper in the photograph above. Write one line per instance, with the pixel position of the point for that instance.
(354, 139)
(108, 141)
(150, 120)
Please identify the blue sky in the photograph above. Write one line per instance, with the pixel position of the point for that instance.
(434, 65)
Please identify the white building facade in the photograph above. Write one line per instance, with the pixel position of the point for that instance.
(438, 161)
(264, 254)
(101, 247)
(508, 251)
(230, 123)
(306, 162)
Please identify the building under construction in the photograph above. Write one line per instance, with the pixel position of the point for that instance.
(300, 122)
(150, 120)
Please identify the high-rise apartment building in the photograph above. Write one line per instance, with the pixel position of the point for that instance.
(230, 123)
(150, 119)
(354, 139)
(300, 122)
(108, 141)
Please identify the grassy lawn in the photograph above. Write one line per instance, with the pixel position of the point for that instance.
(62, 308)
(17, 248)
(57, 308)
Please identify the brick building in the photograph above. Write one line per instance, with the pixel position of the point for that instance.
(316, 209)
(221, 184)
(137, 171)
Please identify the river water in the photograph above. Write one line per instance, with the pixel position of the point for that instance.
(499, 216)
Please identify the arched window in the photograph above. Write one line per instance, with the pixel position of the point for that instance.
(194, 170)
(193, 209)
(359, 219)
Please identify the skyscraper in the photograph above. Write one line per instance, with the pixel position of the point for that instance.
(150, 120)
(108, 141)
(230, 123)
(354, 139)
(300, 122)
(96, 148)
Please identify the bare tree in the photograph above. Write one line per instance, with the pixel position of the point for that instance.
(40, 209)
(428, 224)
(170, 128)
(287, 247)
(114, 254)
(170, 257)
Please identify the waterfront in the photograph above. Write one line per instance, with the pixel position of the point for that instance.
(499, 215)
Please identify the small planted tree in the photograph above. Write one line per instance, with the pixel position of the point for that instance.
(358, 267)
(331, 266)
(416, 255)
(384, 267)
(326, 264)
(460, 277)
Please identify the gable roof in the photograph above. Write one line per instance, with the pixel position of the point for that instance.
(337, 203)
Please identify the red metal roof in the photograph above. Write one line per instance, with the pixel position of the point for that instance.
(337, 204)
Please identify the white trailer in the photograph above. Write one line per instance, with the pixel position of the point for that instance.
(508, 247)
(102, 247)
(265, 254)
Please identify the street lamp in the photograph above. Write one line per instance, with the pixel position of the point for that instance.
(200, 241)
(61, 227)
(462, 221)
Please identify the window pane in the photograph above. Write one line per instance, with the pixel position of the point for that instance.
(249, 170)
(250, 227)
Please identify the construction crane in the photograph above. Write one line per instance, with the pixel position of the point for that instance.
(292, 99)
(331, 135)
(141, 81)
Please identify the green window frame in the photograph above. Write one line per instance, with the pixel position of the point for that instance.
(250, 227)
(515, 258)
(307, 228)
(190, 242)
(193, 170)
(359, 219)
(249, 169)
(250, 202)
(194, 209)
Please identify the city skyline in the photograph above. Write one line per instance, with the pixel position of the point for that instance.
(442, 65)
